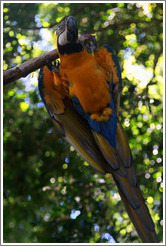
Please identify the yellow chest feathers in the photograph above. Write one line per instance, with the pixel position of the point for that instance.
(86, 81)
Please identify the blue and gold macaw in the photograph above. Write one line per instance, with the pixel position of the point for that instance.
(82, 96)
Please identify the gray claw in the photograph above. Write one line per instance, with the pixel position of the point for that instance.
(53, 67)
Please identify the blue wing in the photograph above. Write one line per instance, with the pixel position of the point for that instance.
(107, 129)
(116, 62)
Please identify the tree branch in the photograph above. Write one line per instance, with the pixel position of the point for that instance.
(27, 67)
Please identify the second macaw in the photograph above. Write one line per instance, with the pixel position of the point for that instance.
(82, 97)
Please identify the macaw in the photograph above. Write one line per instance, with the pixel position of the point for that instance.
(81, 95)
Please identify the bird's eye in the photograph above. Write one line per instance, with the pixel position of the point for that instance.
(59, 29)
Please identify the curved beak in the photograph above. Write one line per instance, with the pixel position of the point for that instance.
(72, 30)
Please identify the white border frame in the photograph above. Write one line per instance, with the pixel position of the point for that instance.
(163, 124)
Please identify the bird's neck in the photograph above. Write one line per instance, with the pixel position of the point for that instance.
(70, 48)
(75, 59)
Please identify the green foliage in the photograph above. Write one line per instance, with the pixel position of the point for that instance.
(51, 195)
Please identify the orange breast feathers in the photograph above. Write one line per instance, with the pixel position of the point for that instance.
(86, 81)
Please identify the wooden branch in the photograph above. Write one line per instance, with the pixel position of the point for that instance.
(27, 67)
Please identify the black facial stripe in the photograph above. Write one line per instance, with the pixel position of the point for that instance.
(70, 48)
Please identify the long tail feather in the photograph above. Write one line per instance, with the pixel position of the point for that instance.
(140, 217)
(123, 172)
(79, 135)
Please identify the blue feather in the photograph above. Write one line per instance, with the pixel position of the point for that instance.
(115, 60)
(41, 87)
(41, 84)
(107, 129)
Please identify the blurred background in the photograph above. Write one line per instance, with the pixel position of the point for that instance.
(51, 195)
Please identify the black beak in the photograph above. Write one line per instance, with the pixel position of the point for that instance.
(72, 30)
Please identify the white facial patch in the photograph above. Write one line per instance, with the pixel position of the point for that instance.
(62, 39)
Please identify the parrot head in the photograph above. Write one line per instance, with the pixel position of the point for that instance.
(67, 31)
(67, 38)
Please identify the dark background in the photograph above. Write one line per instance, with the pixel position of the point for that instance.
(51, 195)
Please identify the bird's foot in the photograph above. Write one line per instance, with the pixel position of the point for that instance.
(53, 66)
(104, 116)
